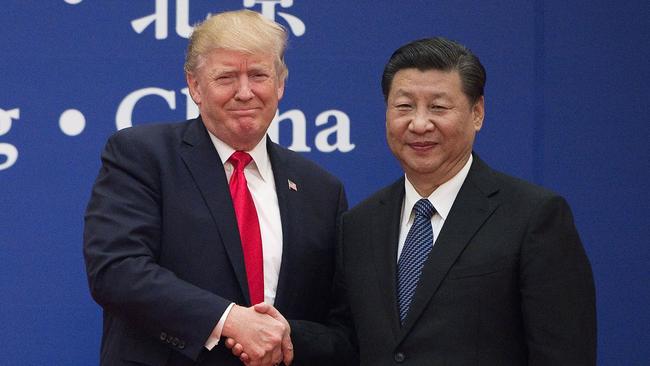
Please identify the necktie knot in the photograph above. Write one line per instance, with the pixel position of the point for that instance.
(424, 208)
(239, 159)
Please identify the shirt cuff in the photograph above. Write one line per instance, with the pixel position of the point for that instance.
(213, 340)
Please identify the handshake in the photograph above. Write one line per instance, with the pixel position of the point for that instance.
(259, 335)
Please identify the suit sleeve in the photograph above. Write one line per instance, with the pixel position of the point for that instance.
(557, 289)
(122, 243)
(332, 342)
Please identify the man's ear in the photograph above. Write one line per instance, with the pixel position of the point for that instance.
(478, 113)
(193, 86)
(280, 89)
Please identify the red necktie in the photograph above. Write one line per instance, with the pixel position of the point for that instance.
(249, 226)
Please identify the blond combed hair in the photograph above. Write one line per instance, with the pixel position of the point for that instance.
(242, 30)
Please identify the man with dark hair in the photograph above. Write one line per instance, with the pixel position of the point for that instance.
(454, 263)
(437, 54)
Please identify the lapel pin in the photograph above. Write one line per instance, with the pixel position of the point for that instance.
(292, 185)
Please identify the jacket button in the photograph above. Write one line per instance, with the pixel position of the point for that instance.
(399, 357)
(163, 336)
(181, 345)
(175, 342)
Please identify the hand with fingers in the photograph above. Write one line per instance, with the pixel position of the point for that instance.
(241, 350)
(261, 334)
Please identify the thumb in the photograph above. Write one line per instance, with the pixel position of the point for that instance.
(264, 308)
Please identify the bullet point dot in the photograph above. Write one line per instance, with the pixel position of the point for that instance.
(72, 122)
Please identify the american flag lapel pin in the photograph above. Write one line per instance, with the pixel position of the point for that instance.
(292, 185)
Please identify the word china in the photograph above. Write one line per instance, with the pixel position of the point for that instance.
(334, 125)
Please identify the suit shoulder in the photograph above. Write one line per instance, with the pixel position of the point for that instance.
(149, 145)
(391, 192)
(517, 192)
(522, 188)
(306, 166)
(149, 133)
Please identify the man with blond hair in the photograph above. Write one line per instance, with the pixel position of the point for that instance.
(191, 224)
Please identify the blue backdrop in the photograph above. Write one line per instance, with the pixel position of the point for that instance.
(566, 104)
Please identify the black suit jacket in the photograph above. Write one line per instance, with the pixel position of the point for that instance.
(506, 283)
(162, 248)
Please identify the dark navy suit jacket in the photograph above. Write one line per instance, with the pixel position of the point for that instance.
(162, 248)
(506, 283)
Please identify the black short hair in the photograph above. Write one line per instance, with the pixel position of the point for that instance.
(437, 54)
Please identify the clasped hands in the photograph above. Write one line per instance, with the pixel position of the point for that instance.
(259, 335)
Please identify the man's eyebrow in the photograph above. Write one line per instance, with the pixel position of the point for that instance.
(221, 70)
(403, 92)
(259, 67)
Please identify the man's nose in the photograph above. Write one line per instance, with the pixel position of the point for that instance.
(421, 122)
(244, 91)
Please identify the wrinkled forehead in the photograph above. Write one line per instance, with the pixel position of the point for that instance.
(237, 59)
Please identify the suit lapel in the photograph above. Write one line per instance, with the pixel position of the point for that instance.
(385, 223)
(470, 210)
(204, 164)
(283, 173)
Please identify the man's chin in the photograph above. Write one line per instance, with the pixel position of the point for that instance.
(247, 140)
(247, 120)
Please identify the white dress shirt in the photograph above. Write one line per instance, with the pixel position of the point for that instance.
(261, 184)
(442, 199)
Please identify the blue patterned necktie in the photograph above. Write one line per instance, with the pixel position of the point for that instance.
(417, 246)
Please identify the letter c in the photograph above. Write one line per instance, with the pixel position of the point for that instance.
(124, 115)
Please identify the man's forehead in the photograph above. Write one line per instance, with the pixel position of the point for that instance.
(221, 65)
(419, 74)
(242, 65)
(431, 81)
(409, 90)
(235, 56)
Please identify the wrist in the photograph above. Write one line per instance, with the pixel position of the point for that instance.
(230, 322)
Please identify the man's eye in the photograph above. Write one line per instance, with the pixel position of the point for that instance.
(403, 107)
(260, 76)
(223, 79)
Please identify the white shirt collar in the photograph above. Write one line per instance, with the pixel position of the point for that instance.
(258, 153)
(442, 198)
